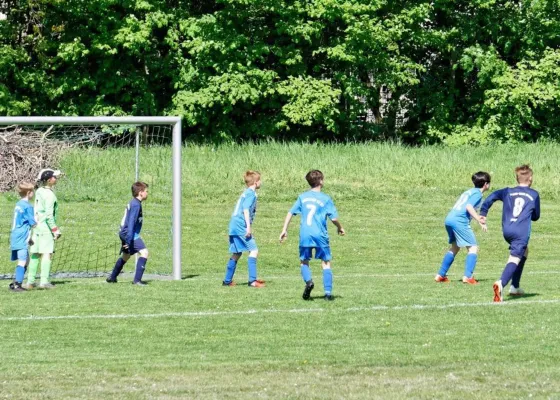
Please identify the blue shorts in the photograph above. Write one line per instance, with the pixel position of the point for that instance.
(136, 247)
(322, 253)
(239, 244)
(20, 255)
(461, 234)
(517, 245)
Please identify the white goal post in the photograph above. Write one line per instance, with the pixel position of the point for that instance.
(176, 162)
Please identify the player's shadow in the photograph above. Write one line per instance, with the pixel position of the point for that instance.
(322, 298)
(58, 282)
(523, 296)
(189, 276)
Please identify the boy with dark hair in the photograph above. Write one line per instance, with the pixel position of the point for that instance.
(132, 243)
(521, 206)
(459, 231)
(24, 220)
(240, 232)
(315, 207)
(46, 232)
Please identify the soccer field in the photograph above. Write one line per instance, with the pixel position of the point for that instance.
(391, 332)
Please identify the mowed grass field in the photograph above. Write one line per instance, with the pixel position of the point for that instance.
(391, 332)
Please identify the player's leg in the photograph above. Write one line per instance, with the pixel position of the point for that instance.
(470, 264)
(32, 270)
(449, 257)
(251, 246)
(324, 254)
(517, 251)
(46, 262)
(230, 268)
(20, 256)
(140, 247)
(514, 288)
(304, 257)
(119, 265)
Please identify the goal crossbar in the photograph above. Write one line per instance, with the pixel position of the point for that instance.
(176, 162)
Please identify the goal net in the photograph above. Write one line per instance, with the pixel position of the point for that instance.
(100, 159)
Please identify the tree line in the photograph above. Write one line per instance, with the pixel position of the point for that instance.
(417, 71)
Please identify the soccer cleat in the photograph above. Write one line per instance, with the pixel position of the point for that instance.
(109, 280)
(260, 281)
(16, 287)
(47, 285)
(470, 281)
(140, 283)
(513, 291)
(307, 291)
(256, 284)
(442, 279)
(29, 286)
(232, 283)
(498, 289)
(329, 297)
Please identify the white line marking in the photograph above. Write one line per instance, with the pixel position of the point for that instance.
(188, 314)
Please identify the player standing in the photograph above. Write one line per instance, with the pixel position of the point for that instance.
(241, 234)
(24, 220)
(132, 243)
(315, 207)
(457, 224)
(521, 206)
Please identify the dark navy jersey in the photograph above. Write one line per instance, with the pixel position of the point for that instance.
(521, 206)
(131, 224)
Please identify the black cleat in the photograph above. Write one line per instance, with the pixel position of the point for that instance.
(140, 283)
(16, 287)
(307, 291)
(109, 280)
(329, 297)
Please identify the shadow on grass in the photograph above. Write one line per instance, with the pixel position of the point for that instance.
(189, 276)
(524, 296)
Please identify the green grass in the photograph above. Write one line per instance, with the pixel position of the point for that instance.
(391, 332)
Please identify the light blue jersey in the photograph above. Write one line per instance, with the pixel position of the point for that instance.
(24, 219)
(459, 213)
(315, 208)
(247, 201)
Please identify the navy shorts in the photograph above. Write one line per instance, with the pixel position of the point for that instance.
(136, 247)
(322, 253)
(517, 245)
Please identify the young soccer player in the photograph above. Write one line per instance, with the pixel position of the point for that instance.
(315, 207)
(241, 234)
(132, 243)
(521, 206)
(24, 220)
(46, 231)
(457, 224)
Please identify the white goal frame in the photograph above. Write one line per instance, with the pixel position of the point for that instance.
(176, 156)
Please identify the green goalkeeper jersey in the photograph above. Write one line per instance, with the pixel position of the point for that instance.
(46, 209)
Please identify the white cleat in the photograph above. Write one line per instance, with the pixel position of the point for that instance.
(513, 291)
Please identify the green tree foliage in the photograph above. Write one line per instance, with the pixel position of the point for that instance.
(458, 71)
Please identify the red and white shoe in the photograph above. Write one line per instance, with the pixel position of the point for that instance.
(498, 289)
(441, 279)
(257, 283)
(470, 281)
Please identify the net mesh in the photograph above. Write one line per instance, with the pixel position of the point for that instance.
(100, 163)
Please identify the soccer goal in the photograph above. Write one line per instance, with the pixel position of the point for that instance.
(100, 157)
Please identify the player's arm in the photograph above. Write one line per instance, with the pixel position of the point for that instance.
(247, 216)
(49, 215)
(131, 218)
(481, 220)
(284, 233)
(495, 196)
(339, 227)
(537, 211)
(31, 217)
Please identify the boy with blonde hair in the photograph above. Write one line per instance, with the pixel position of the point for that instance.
(240, 231)
(522, 205)
(46, 231)
(24, 220)
(315, 207)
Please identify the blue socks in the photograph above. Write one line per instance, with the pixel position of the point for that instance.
(306, 273)
(118, 268)
(20, 272)
(230, 270)
(140, 267)
(327, 280)
(517, 274)
(470, 263)
(252, 265)
(508, 273)
(448, 259)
